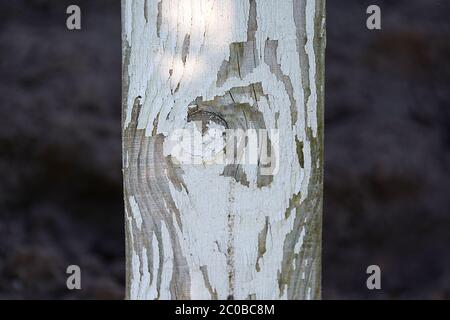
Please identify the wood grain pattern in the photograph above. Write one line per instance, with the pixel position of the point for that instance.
(210, 230)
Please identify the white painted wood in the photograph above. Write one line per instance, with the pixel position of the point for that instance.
(216, 231)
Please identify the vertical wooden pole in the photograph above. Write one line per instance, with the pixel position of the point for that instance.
(206, 229)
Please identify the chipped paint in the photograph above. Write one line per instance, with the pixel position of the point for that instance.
(217, 231)
(136, 212)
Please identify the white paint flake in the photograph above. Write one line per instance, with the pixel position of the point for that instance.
(135, 212)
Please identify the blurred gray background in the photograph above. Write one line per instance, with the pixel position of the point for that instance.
(387, 150)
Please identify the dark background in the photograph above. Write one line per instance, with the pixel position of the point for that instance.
(387, 146)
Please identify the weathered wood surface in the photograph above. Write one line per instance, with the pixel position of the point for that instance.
(218, 231)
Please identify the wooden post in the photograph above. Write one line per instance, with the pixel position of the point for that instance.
(207, 228)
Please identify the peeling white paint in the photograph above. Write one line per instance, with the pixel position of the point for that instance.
(136, 276)
(144, 283)
(210, 204)
(135, 212)
(310, 33)
(153, 291)
(166, 275)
